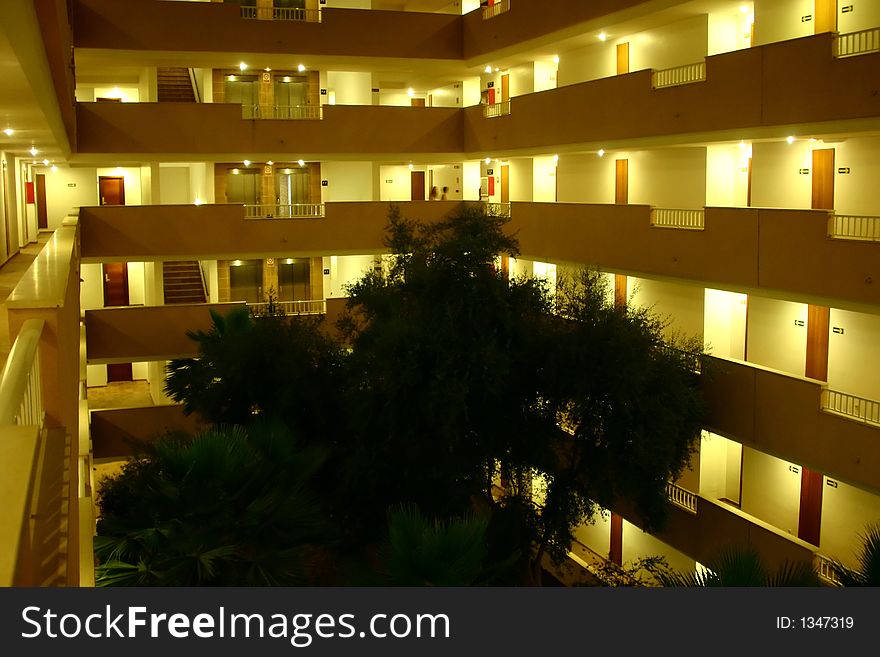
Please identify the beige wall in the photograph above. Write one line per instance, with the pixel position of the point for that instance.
(682, 305)
(350, 87)
(596, 535)
(774, 339)
(345, 270)
(347, 181)
(865, 14)
(777, 20)
(544, 182)
(668, 178)
(67, 188)
(846, 511)
(727, 174)
(855, 192)
(522, 174)
(585, 178)
(724, 323)
(771, 489)
(854, 355)
(638, 544)
(720, 463)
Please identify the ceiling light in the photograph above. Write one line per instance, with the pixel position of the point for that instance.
(9, 132)
(410, 166)
(235, 172)
(247, 163)
(488, 69)
(602, 36)
(555, 158)
(45, 163)
(302, 163)
(488, 160)
(497, 69)
(286, 78)
(267, 69)
(270, 163)
(231, 78)
(287, 172)
(555, 59)
(119, 171)
(242, 66)
(301, 68)
(34, 151)
(410, 92)
(601, 152)
(54, 168)
(789, 139)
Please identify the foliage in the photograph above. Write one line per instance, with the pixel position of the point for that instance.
(867, 572)
(228, 507)
(740, 567)
(255, 366)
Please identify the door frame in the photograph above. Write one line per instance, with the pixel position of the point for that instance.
(101, 179)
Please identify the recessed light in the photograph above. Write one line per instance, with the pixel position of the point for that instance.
(9, 132)
(45, 163)
(301, 68)
(488, 160)
(602, 36)
(235, 172)
(410, 166)
(34, 151)
(555, 159)
(555, 59)
(789, 139)
(270, 163)
(410, 92)
(488, 69)
(247, 163)
(302, 163)
(601, 152)
(242, 66)
(54, 168)
(267, 69)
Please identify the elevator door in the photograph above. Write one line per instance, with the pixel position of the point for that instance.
(293, 280)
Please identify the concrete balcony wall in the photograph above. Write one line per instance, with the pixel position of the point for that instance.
(781, 415)
(764, 87)
(166, 129)
(169, 232)
(113, 430)
(145, 333)
(150, 25)
(774, 250)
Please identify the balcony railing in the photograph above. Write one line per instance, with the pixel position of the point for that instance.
(672, 77)
(314, 307)
(858, 43)
(499, 7)
(681, 497)
(854, 227)
(857, 408)
(826, 570)
(496, 109)
(295, 112)
(498, 209)
(677, 218)
(284, 14)
(21, 400)
(281, 211)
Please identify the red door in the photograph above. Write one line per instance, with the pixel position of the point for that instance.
(116, 294)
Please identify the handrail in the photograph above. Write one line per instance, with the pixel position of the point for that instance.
(310, 307)
(826, 570)
(295, 112)
(204, 280)
(857, 43)
(678, 218)
(248, 12)
(681, 497)
(852, 406)
(863, 228)
(282, 211)
(296, 14)
(496, 109)
(498, 8)
(20, 387)
(671, 77)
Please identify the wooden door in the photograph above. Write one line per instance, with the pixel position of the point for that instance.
(417, 102)
(818, 322)
(749, 185)
(42, 220)
(615, 553)
(621, 182)
(810, 513)
(619, 291)
(823, 179)
(825, 12)
(111, 190)
(505, 183)
(622, 58)
(505, 88)
(116, 294)
(418, 186)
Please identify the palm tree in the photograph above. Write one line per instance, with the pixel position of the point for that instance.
(741, 567)
(229, 507)
(868, 558)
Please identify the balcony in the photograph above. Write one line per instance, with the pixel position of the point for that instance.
(171, 129)
(168, 26)
(794, 418)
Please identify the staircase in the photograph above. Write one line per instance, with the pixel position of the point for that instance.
(174, 85)
(182, 282)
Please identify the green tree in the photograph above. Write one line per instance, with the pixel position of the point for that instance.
(741, 567)
(867, 571)
(229, 507)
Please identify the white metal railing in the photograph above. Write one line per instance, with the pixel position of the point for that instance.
(491, 11)
(858, 43)
(681, 497)
(282, 211)
(297, 112)
(857, 408)
(678, 218)
(496, 109)
(826, 569)
(296, 14)
(498, 209)
(248, 12)
(671, 77)
(854, 227)
(21, 400)
(314, 307)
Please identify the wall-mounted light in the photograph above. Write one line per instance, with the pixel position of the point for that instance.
(9, 132)
(247, 163)
(602, 36)
(789, 139)
(286, 78)
(497, 69)
(410, 92)
(488, 69)
(267, 69)
(410, 165)
(34, 151)
(119, 171)
(54, 169)
(236, 263)
(488, 160)
(231, 78)
(287, 172)
(45, 163)
(555, 59)
(301, 68)
(302, 163)
(270, 163)
(601, 152)
(242, 66)
(235, 172)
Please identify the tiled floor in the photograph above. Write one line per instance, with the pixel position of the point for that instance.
(10, 273)
(120, 394)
